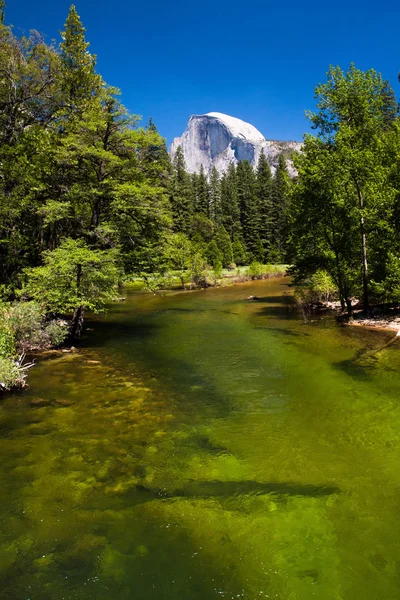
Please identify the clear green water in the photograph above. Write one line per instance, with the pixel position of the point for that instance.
(219, 449)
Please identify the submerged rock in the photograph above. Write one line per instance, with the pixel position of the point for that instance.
(62, 402)
(39, 402)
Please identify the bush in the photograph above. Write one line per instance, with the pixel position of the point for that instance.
(26, 320)
(11, 374)
(316, 290)
(56, 331)
(255, 270)
(7, 341)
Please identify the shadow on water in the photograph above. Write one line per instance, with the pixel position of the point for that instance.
(366, 359)
(284, 332)
(180, 376)
(223, 489)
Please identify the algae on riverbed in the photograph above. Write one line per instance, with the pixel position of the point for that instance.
(219, 448)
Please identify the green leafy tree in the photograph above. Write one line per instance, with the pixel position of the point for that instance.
(74, 278)
(355, 112)
(179, 253)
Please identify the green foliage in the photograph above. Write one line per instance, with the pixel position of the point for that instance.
(202, 194)
(319, 288)
(199, 270)
(255, 270)
(345, 197)
(224, 245)
(7, 341)
(181, 199)
(11, 375)
(213, 254)
(388, 289)
(280, 194)
(56, 331)
(239, 250)
(74, 276)
(230, 211)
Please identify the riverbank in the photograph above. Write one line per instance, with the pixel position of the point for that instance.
(383, 321)
(209, 278)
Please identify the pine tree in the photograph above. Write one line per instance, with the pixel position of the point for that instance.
(154, 156)
(79, 80)
(230, 212)
(181, 190)
(202, 205)
(264, 203)
(239, 250)
(224, 245)
(280, 203)
(2, 9)
(215, 211)
(249, 214)
(213, 254)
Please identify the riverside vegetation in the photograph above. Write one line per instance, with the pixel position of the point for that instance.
(89, 199)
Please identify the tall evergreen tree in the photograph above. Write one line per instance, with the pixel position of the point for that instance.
(280, 202)
(264, 203)
(215, 212)
(79, 80)
(247, 197)
(202, 202)
(239, 250)
(224, 245)
(181, 194)
(230, 211)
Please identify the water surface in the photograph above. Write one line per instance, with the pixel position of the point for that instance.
(199, 446)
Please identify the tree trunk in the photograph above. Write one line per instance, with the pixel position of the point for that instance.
(349, 308)
(364, 247)
(77, 323)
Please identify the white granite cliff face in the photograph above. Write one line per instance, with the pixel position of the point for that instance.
(216, 140)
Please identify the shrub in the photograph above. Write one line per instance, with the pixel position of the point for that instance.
(26, 320)
(255, 270)
(7, 342)
(11, 374)
(56, 331)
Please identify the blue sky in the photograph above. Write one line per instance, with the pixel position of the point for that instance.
(256, 60)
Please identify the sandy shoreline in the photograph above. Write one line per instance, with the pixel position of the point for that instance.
(387, 323)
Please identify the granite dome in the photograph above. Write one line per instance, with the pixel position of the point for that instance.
(216, 140)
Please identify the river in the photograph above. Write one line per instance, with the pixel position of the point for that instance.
(200, 446)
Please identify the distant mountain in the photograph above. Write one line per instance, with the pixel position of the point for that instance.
(216, 140)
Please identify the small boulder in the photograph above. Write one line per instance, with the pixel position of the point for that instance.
(62, 402)
(253, 298)
(39, 402)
